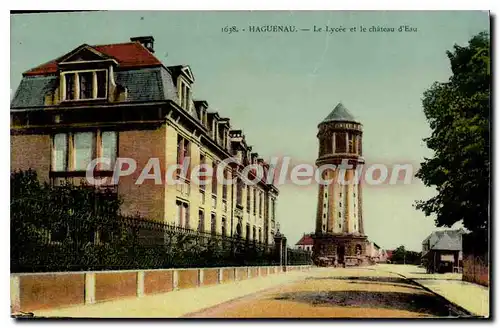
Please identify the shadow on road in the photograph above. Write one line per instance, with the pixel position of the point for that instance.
(386, 284)
(390, 280)
(423, 302)
(419, 303)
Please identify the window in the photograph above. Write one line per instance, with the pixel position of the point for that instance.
(84, 148)
(70, 86)
(91, 84)
(224, 185)
(109, 148)
(340, 214)
(273, 210)
(60, 152)
(201, 221)
(340, 142)
(328, 145)
(101, 83)
(239, 192)
(260, 203)
(183, 152)
(249, 197)
(254, 202)
(214, 179)
(182, 214)
(202, 169)
(223, 227)
(260, 235)
(184, 95)
(213, 224)
(86, 85)
(351, 143)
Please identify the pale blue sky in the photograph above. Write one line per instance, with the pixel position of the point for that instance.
(277, 87)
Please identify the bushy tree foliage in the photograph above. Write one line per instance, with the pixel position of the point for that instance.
(78, 227)
(458, 112)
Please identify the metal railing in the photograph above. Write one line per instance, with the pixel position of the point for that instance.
(129, 243)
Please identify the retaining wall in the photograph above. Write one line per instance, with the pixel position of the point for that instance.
(37, 291)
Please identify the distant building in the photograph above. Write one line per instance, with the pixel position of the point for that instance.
(442, 251)
(375, 253)
(305, 243)
(388, 255)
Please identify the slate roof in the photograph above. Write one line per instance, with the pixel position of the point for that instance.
(31, 91)
(340, 113)
(146, 84)
(450, 240)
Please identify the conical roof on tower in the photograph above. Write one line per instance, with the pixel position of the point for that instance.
(340, 113)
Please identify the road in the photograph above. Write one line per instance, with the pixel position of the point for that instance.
(338, 293)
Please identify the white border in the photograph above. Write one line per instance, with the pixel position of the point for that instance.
(197, 5)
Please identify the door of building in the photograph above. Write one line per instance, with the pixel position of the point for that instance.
(341, 254)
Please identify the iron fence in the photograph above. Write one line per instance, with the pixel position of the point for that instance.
(129, 243)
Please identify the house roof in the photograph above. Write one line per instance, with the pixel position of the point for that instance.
(146, 84)
(450, 240)
(340, 113)
(128, 55)
(305, 240)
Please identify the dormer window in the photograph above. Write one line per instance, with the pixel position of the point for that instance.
(84, 85)
(184, 95)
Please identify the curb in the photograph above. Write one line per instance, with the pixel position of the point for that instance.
(459, 310)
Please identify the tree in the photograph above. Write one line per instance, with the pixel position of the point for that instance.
(458, 112)
(398, 256)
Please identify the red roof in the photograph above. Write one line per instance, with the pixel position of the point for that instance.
(389, 254)
(131, 54)
(305, 240)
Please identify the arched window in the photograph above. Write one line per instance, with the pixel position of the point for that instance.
(358, 250)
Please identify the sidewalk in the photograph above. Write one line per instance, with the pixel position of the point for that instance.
(472, 297)
(177, 303)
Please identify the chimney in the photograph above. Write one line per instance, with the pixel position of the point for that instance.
(146, 41)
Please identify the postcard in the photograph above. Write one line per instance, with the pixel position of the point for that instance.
(250, 164)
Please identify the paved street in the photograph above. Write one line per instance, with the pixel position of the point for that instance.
(338, 293)
(380, 291)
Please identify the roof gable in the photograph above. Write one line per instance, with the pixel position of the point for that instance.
(82, 53)
(188, 73)
(183, 70)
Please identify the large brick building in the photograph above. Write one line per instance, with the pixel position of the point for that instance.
(119, 101)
